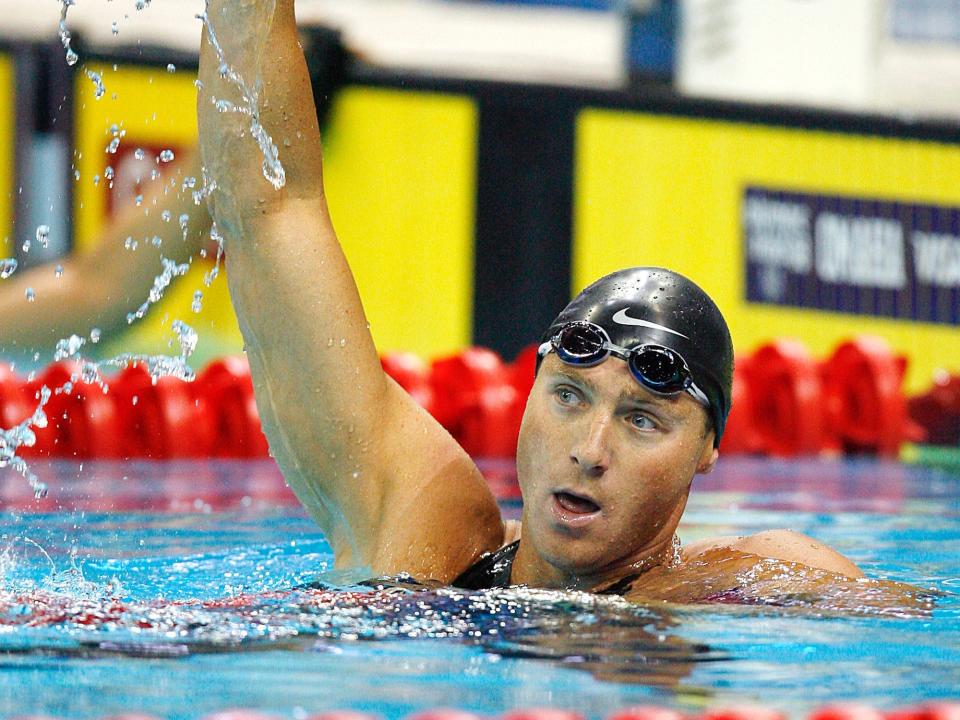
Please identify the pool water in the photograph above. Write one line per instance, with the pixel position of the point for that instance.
(184, 588)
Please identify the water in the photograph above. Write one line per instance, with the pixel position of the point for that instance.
(173, 581)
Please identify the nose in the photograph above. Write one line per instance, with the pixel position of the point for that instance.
(591, 451)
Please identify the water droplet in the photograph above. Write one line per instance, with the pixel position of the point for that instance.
(197, 305)
(135, 399)
(58, 271)
(156, 241)
(71, 57)
(138, 200)
(130, 244)
(114, 144)
(171, 68)
(96, 180)
(330, 342)
(115, 27)
(30, 294)
(95, 335)
(139, 153)
(166, 215)
(166, 155)
(343, 342)
(8, 266)
(108, 173)
(43, 235)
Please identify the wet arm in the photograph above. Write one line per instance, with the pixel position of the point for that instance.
(387, 485)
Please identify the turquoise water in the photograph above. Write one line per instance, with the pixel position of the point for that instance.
(178, 589)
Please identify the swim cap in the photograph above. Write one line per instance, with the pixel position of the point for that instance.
(654, 305)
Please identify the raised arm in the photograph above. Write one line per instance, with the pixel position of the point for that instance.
(388, 486)
(98, 288)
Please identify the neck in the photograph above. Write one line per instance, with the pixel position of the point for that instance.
(532, 569)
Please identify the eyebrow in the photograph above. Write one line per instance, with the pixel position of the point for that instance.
(631, 396)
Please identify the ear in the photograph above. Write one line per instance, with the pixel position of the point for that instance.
(708, 458)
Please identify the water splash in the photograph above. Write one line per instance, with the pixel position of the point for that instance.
(71, 57)
(22, 435)
(272, 169)
(97, 80)
(161, 282)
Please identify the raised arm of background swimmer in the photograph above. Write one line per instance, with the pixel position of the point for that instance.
(98, 288)
(389, 487)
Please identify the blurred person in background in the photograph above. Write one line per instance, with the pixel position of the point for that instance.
(97, 289)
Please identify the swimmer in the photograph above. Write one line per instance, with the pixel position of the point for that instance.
(629, 404)
(98, 288)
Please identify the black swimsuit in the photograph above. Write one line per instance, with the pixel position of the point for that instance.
(493, 571)
(490, 571)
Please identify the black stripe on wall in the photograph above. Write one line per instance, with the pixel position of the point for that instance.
(523, 216)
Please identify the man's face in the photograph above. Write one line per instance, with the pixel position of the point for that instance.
(605, 466)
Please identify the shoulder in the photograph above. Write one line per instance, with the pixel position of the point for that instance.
(786, 545)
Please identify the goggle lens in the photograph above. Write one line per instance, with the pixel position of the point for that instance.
(660, 369)
(580, 345)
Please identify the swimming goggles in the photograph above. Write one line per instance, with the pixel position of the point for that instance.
(658, 368)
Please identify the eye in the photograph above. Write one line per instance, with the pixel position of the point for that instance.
(567, 396)
(641, 422)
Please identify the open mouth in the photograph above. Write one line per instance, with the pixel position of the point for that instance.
(576, 504)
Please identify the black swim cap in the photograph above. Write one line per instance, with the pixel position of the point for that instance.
(654, 305)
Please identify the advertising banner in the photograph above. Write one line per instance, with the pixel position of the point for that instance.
(853, 255)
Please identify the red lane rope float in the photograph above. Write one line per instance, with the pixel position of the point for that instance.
(476, 402)
(82, 421)
(937, 411)
(863, 398)
(850, 711)
(444, 714)
(947, 710)
(740, 434)
(161, 418)
(743, 712)
(846, 711)
(15, 403)
(542, 714)
(786, 399)
(646, 712)
(412, 374)
(224, 392)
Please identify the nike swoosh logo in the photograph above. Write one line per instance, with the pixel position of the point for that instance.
(622, 318)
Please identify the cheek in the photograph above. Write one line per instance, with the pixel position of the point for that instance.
(529, 442)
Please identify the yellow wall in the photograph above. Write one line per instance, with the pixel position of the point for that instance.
(399, 172)
(8, 106)
(658, 190)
